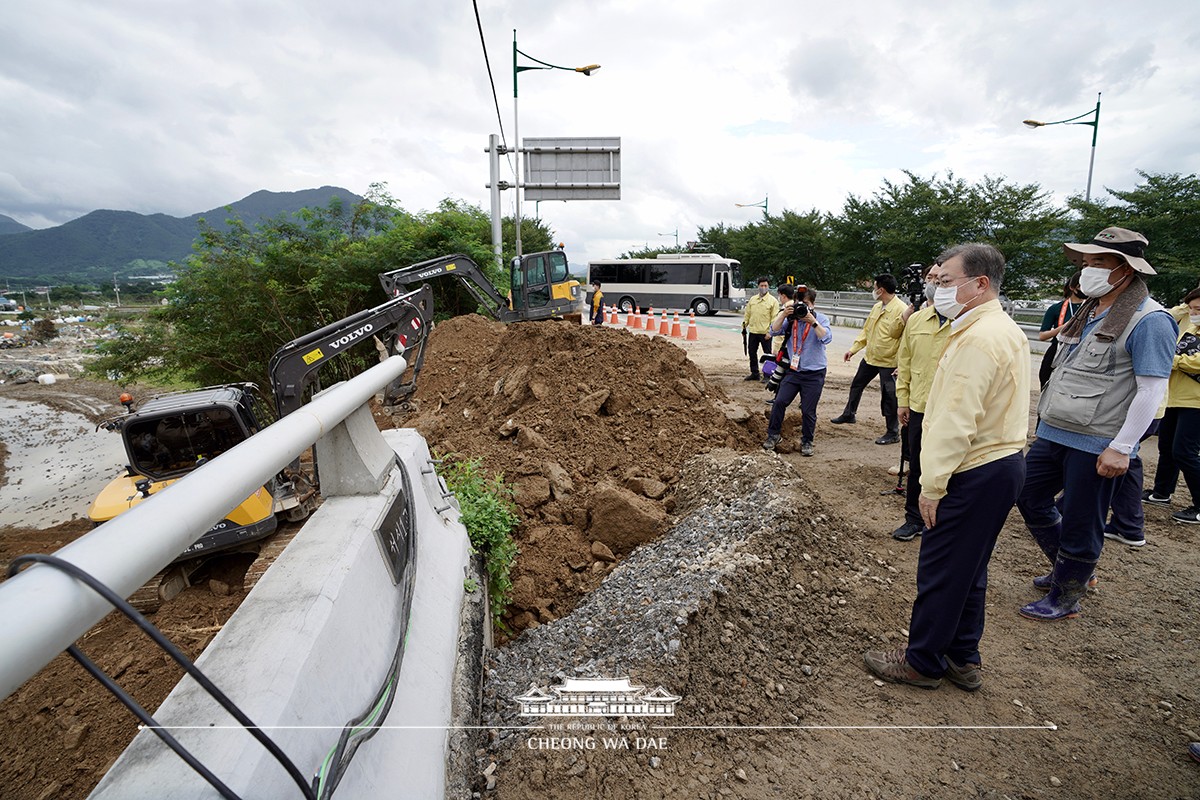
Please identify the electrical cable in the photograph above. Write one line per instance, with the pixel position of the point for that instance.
(177, 655)
(366, 725)
(491, 80)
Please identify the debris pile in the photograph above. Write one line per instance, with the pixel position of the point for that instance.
(591, 425)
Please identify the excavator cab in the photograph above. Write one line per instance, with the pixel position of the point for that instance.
(542, 286)
(541, 280)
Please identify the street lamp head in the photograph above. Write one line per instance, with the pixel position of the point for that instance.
(588, 70)
(1033, 123)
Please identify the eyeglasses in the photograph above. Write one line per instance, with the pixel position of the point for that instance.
(946, 283)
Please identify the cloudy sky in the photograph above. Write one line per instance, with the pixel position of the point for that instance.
(166, 106)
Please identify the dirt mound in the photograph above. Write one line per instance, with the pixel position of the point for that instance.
(591, 425)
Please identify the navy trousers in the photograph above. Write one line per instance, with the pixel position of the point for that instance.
(912, 491)
(947, 616)
(1128, 518)
(753, 342)
(1179, 451)
(806, 383)
(887, 391)
(1051, 468)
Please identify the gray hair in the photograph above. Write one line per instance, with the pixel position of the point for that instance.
(978, 259)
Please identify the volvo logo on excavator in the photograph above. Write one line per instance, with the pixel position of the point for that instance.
(429, 273)
(351, 336)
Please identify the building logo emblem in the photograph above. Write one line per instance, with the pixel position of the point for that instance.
(604, 697)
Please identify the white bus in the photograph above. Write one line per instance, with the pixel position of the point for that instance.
(703, 282)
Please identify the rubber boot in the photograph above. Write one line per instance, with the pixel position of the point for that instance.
(1068, 585)
(1043, 582)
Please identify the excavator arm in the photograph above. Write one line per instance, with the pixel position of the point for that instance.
(457, 266)
(403, 322)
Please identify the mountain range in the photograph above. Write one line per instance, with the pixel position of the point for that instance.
(93, 247)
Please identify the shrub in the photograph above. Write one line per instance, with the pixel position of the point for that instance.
(489, 517)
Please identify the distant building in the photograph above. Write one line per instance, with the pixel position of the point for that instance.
(598, 698)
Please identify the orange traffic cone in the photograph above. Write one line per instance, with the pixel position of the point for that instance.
(613, 319)
(664, 327)
(675, 331)
(630, 319)
(650, 320)
(692, 334)
(636, 318)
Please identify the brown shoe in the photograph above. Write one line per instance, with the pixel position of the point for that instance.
(967, 677)
(892, 665)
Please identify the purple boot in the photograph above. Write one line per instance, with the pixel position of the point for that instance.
(1068, 585)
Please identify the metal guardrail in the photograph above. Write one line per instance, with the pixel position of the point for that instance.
(857, 305)
(42, 611)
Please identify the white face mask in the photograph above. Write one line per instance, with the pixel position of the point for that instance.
(1093, 282)
(945, 300)
(930, 288)
(875, 294)
(1194, 319)
(762, 291)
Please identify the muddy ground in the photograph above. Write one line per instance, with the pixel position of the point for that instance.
(1107, 702)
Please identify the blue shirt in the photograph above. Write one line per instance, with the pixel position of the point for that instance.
(810, 347)
(1151, 346)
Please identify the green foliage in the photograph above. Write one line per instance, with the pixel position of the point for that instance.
(246, 291)
(1164, 207)
(913, 221)
(470, 585)
(489, 517)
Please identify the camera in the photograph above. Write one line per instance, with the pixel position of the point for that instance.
(781, 369)
(914, 284)
(799, 307)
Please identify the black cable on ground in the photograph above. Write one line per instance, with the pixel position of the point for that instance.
(177, 655)
(331, 771)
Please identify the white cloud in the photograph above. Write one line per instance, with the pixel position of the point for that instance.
(153, 106)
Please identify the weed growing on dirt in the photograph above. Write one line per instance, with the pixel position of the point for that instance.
(489, 516)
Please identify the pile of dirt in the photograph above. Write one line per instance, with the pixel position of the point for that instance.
(591, 426)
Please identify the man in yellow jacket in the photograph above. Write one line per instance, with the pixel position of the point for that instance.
(976, 420)
(925, 335)
(760, 311)
(880, 336)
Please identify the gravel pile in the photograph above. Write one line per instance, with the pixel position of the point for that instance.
(634, 618)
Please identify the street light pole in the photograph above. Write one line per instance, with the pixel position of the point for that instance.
(1078, 120)
(517, 70)
(675, 234)
(762, 205)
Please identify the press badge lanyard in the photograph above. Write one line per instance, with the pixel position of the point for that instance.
(1062, 311)
(798, 347)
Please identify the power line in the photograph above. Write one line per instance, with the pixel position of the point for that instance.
(491, 82)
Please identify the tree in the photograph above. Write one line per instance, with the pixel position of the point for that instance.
(911, 222)
(1166, 209)
(245, 292)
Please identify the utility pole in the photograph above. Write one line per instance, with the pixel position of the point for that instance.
(116, 291)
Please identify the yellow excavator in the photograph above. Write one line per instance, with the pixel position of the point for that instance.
(542, 285)
(169, 435)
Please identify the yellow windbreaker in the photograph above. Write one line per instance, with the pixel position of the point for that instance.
(881, 333)
(978, 406)
(760, 312)
(1183, 391)
(924, 339)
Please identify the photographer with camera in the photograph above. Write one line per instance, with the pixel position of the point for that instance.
(806, 334)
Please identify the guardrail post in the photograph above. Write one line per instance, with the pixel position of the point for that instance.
(353, 457)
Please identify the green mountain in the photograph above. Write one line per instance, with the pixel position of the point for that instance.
(90, 249)
(10, 225)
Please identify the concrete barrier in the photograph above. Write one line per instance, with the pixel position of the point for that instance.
(310, 648)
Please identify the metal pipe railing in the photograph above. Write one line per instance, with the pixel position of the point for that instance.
(42, 611)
